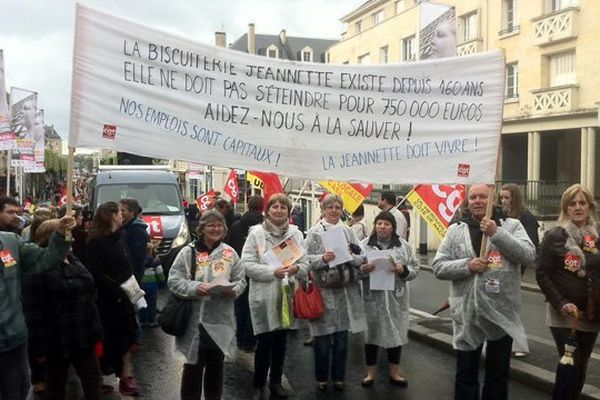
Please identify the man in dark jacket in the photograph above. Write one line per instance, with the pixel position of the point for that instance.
(134, 235)
(237, 238)
(18, 260)
(226, 209)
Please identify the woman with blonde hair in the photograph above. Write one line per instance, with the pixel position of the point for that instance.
(568, 263)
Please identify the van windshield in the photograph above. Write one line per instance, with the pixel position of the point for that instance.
(154, 198)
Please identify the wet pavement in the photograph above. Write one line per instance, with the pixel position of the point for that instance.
(428, 360)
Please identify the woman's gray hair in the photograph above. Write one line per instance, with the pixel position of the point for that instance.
(208, 217)
(330, 199)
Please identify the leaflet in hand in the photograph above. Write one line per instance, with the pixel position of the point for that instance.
(284, 253)
(383, 276)
(335, 240)
(219, 285)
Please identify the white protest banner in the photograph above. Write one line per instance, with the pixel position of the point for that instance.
(139, 90)
(23, 109)
(7, 136)
(39, 145)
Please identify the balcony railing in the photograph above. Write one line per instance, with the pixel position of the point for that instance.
(555, 100)
(542, 198)
(557, 26)
(471, 47)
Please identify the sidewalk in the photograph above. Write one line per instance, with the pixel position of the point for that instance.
(537, 369)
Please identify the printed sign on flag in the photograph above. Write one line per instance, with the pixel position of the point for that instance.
(353, 194)
(437, 204)
(231, 186)
(155, 226)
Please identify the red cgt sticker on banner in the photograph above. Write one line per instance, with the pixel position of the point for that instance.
(109, 132)
(464, 170)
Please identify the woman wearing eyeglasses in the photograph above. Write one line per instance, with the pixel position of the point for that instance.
(343, 305)
(211, 328)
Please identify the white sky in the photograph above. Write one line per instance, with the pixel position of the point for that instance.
(37, 35)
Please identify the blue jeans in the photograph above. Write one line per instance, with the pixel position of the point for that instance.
(497, 366)
(14, 374)
(338, 342)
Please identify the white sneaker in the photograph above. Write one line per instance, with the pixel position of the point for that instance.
(520, 354)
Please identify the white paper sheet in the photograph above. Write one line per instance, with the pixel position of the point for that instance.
(382, 278)
(335, 240)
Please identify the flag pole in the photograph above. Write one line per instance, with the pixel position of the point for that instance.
(68, 235)
(295, 201)
(8, 158)
(491, 188)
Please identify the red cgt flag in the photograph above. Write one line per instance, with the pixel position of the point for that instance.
(231, 186)
(267, 181)
(437, 204)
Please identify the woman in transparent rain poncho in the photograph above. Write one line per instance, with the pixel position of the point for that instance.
(343, 306)
(387, 311)
(210, 335)
(265, 294)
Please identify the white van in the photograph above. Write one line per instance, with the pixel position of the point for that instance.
(156, 190)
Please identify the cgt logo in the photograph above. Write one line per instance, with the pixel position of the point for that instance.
(464, 170)
(109, 132)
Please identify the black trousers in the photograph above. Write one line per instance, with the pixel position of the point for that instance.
(244, 333)
(581, 356)
(87, 366)
(270, 353)
(208, 368)
(497, 366)
(393, 354)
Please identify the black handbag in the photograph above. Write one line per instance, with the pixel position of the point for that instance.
(173, 319)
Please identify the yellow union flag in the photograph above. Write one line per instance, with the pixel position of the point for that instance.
(353, 194)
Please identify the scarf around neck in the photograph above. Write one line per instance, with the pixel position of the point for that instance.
(275, 230)
(575, 236)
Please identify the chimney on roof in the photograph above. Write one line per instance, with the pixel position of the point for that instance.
(251, 39)
(220, 39)
(282, 36)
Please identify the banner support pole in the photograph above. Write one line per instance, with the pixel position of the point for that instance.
(68, 234)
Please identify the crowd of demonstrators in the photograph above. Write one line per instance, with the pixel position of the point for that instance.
(343, 305)
(265, 293)
(19, 261)
(210, 332)
(484, 294)
(568, 260)
(237, 238)
(387, 202)
(63, 322)
(387, 312)
(110, 266)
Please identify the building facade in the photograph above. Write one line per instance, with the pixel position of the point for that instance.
(552, 78)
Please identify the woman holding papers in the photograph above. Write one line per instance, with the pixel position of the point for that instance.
(265, 296)
(343, 306)
(218, 279)
(390, 263)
